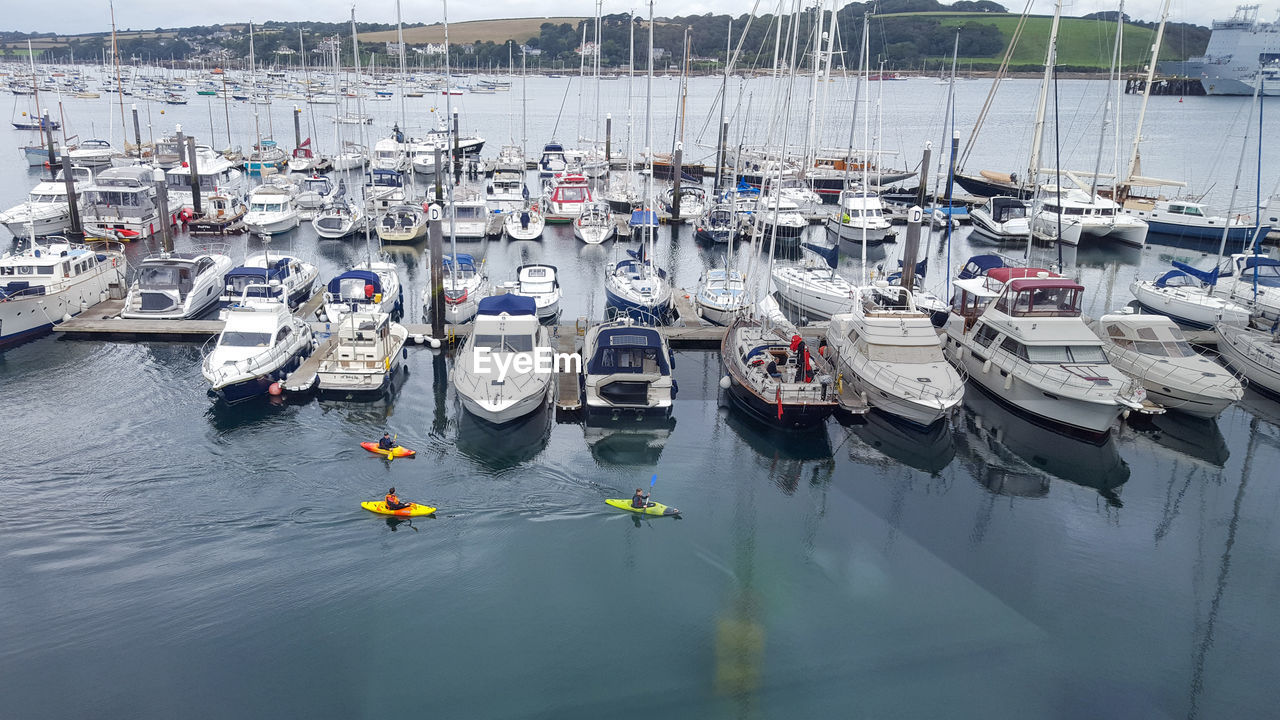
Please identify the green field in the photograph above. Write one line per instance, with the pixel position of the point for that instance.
(1081, 43)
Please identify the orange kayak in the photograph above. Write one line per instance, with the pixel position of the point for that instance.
(396, 451)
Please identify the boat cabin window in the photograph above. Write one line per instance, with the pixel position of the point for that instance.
(203, 264)
(1158, 342)
(571, 194)
(1012, 212)
(231, 338)
(284, 333)
(504, 343)
(901, 354)
(164, 276)
(1042, 302)
(1054, 354)
(115, 198)
(985, 335)
(1266, 275)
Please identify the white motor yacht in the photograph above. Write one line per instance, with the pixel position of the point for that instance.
(1079, 214)
(382, 189)
(1253, 353)
(1001, 219)
(92, 154)
(492, 384)
(318, 192)
(270, 275)
(49, 282)
(860, 214)
(469, 218)
(272, 210)
(893, 357)
(366, 355)
(568, 194)
(1152, 349)
(390, 153)
(1186, 219)
(261, 343)
(595, 224)
(627, 370)
(120, 204)
(218, 176)
(46, 210)
(1017, 332)
(540, 283)
(369, 287)
(178, 285)
(526, 223)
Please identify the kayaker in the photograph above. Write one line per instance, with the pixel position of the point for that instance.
(639, 500)
(393, 502)
(386, 443)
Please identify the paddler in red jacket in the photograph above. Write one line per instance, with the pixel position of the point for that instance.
(393, 501)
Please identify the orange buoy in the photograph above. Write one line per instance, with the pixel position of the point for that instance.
(274, 389)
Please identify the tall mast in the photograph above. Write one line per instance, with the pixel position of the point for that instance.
(400, 80)
(1132, 168)
(811, 137)
(115, 55)
(1051, 59)
(448, 113)
(1102, 130)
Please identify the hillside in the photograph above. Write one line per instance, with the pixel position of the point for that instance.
(461, 33)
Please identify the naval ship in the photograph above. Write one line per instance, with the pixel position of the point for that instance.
(1238, 50)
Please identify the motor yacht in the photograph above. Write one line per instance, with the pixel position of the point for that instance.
(46, 210)
(1068, 214)
(860, 215)
(627, 370)
(342, 218)
(540, 283)
(568, 194)
(270, 275)
(272, 210)
(120, 204)
(491, 383)
(1001, 219)
(51, 281)
(261, 343)
(318, 192)
(468, 219)
(366, 356)
(177, 285)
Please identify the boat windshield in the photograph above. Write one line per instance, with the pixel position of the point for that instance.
(902, 354)
(231, 338)
(1055, 354)
(1150, 342)
(1012, 212)
(163, 276)
(571, 194)
(505, 343)
(1266, 275)
(536, 288)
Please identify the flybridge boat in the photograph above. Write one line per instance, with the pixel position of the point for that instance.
(505, 327)
(1152, 349)
(276, 276)
(390, 153)
(369, 287)
(272, 210)
(46, 211)
(218, 176)
(860, 216)
(261, 343)
(1018, 334)
(120, 204)
(773, 379)
(568, 195)
(47, 283)
(893, 357)
(179, 285)
(1068, 214)
(627, 370)
(366, 357)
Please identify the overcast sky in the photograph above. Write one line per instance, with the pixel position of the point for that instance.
(76, 16)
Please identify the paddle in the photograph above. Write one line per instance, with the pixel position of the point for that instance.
(652, 480)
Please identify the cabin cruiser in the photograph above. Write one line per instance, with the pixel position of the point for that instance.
(49, 282)
(318, 192)
(489, 381)
(120, 204)
(1252, 281)
(1186, 219)
(1252, 353)
(813, 288)
(218, 176)
(275, 276)
(718, 223)
(468, 219)
(1152, 349)
(366, 355)
(261, 343)
(773, 378)
(1017, 332)
(382, 189)
(46, 211)
(272, 210)
(627, 370)
(893, 357)
(1077, 213)
(402, 223)
(177, 285)
(1001, 219)
(567, 195)
(594, 225)
(553, 160)
(465, 285)
(265, 158)
(526, 223)
(1185, 294)
(860, 215)
(540, 283)
(369, 287)
(722, 295)
(342, 218)
(638, 288)
(223, 215)
(391, 153)
(506, 187)
(92, 154)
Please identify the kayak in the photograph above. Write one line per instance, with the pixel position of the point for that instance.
(396, 451)
(653, 508)
(414, 509)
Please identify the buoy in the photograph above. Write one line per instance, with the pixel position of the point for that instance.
(434, 342)
(274, 389)
(725, 382)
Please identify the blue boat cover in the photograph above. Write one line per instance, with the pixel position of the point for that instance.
(368, 276)
(830, 254)
(1258, 261)
(552, 147)
(978, 266)
(279, 270)
(510, 303)
(605, 361)
(1208, 277)
(465, 262)
(640, 218)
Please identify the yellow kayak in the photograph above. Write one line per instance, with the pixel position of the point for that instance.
(394, 452)
(653, 508)
(414, 509)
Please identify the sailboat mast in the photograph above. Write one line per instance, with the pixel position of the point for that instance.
(1102, 130)
(1123, 189)
(115, 55)
(1051, 59)
(866, 143)
(448, 113)
(400, 79)
(648, 143)
(1235, 186)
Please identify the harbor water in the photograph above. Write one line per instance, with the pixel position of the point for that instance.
(163, 556)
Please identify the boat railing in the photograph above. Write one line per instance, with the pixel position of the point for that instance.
(1057, 376)
(1152, 368)
(884, 374)
(269, 358)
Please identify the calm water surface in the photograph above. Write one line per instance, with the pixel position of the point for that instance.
(163, 557)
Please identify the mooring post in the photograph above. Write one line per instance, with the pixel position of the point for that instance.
(195, 177)
(69, 179)
(436, 235)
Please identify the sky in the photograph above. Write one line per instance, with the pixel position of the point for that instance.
(79, 16)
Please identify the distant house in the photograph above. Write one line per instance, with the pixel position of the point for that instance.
(433, 49)
(530, 51)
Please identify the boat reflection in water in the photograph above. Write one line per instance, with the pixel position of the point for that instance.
(1198, 438)
(627, 442)
(1013, 448)
(500, 447)
(771, 442)
(926, 449)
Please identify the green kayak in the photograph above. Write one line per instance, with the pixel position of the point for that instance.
(652, 509)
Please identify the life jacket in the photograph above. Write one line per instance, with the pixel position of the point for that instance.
(386, 443)
(392, 500)
(638, 501)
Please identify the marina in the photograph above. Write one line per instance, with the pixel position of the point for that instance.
(919, 436)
